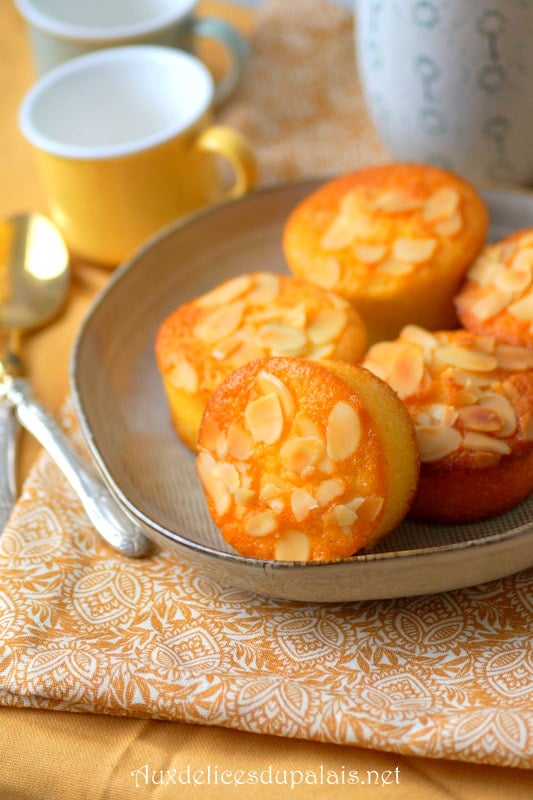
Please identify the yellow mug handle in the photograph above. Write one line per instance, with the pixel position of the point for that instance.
(235, 148)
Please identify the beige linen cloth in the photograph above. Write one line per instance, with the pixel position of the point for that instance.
(84, 630)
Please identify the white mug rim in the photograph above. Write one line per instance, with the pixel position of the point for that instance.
(67, 30)
(80, 64)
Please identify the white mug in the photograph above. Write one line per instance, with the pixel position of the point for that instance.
(450, 82)
(64, 29)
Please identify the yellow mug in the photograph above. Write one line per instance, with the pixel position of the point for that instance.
(125, 142)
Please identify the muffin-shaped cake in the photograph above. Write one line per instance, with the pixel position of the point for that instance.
(395, 240)
(497, 296)
(305, 461)
(248, 317)
(471, 401)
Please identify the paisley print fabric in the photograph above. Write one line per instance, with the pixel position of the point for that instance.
(82, 629)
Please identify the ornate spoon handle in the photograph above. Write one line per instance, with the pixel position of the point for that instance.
(110, 520)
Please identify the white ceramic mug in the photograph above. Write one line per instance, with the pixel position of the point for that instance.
(450, 82)
(63, 29)
(126, 144)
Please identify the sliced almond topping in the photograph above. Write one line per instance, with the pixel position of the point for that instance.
(379, 359)
(484, 270)
(226, 347)
(228, 474)
(243, 496)
(327, 326)
(443, 413)
(260, 524)
(413, 251)
(500, 405)
(407, 370)
(340, 233)
(281, 338)
(305, 426)
(490, 303)
(239, 442)
(269, 491)
(226, 292)
(394, 202)
(264, 418)
(266, 289)
(327, 273)
(513, 281)
(343, 431)
(300, 452)
(293, 546)
(449, 227)
(480, 441)
(302, 502)
(441, 205)
(247, 352)
(480, 418)
(220, 323)
(514, 358)
(344, 516)
(296, 317)
(328, 490)
(271, 383)
(215, 488)
(523, 309)
(392, 267)
(417, 335)
(435, 442)
(370, 253)
(523, 261)
(185, 376)
(467, 359)
(320, 351)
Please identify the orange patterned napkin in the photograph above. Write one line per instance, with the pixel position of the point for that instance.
(82, 629)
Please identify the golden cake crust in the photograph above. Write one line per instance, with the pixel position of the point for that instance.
(394, 239)
(497, 295)
(471, 402)
(305, 460)
(247, 317)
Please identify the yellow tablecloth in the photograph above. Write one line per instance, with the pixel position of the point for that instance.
(64, 755)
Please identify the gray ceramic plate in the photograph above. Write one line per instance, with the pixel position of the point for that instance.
(123, 414)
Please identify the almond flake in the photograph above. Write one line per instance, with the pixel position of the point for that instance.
(271, 383)
(480, 441)
(513, 280)
(392, 267)
(484, 270)
(260, 524)
(465, 358)
(302, 502)
(305, 426)
(293, 546)
(449, 227)
(264, 418)
(328, 490)
(239, 442)
(479, 418)
(327, 326)
(500, 405)
(435, 442)
(215, 488)
(396, 202)
(226, 347)
(407, 370)
(220, 323)
(441, 205)
(184, 376)
(523, 309)
(514, 358)
(413, 251)
(416, 335)
(281, 338)
(226, 292)
(296, 317)
(340, 233)
(228, 474)
(370, 253)
(343, 431)
(489, 304)
(327, 273)
(344, 516)
(300, 452)
(266, 289)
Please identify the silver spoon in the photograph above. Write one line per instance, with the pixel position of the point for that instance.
(34, 278)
